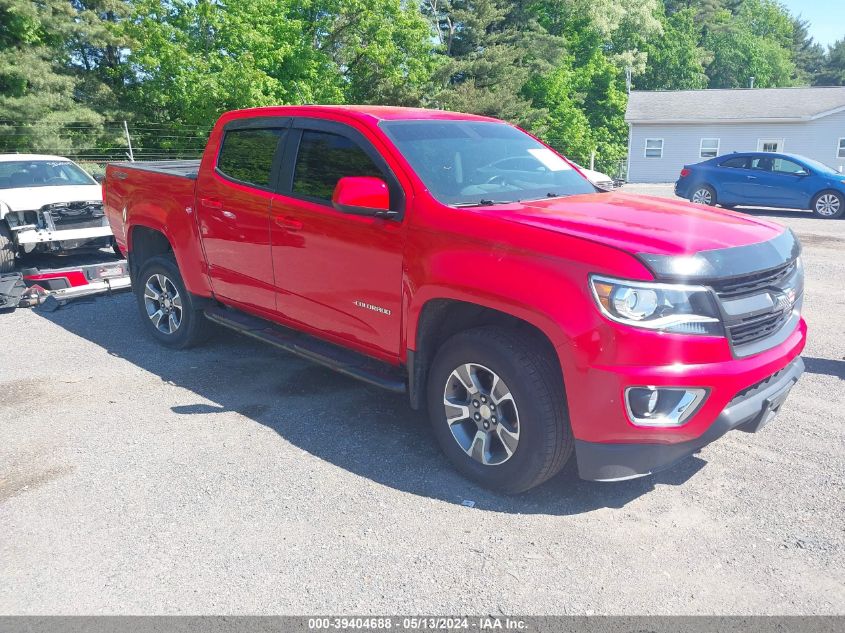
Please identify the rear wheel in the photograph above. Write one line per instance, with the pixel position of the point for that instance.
(829, 205)
(167, 309)
(498, 410)
(7, 249)
(704, 194)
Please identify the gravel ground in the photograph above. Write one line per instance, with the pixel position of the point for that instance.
(237, 479)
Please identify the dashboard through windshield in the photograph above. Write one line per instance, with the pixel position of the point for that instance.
(483, 162)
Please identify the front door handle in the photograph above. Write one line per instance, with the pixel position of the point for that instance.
(291, 224)
(751, 177)
(211, 203)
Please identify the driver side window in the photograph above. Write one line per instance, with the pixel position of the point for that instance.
(783, 166)
(323, 159)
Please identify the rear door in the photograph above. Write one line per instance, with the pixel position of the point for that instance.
(337, 274)
(233, 210)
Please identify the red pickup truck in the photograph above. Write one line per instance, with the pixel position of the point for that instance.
(458, 259)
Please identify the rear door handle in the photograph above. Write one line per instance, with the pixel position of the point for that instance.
(290, 224)
(751, 177)
(211, 203)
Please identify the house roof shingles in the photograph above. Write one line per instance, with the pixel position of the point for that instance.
(692, 106)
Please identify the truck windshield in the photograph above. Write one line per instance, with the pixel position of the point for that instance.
(41, 173)
(483, 162)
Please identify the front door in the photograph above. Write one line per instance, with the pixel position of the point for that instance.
(337, 274)
(233, 209)
(773, 181)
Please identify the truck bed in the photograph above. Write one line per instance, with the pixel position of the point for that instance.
(181, 168)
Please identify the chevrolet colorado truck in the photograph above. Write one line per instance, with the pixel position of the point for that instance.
(48, 204)
(534, 317)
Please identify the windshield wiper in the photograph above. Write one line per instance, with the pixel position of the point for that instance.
(551, 194)
(483, 203)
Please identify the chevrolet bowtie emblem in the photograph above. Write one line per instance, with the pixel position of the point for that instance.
(784, 300)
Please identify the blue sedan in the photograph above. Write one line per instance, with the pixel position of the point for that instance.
(765, 179)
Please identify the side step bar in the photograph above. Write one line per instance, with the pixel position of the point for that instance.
(332, 356)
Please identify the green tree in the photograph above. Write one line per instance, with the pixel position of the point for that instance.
(756, 42)
(492, 49)
(46, 104)
(194, 60)
(833, 71)
(808, 56)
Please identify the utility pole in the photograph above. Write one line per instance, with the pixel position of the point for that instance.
(128, 142)
(628, 73)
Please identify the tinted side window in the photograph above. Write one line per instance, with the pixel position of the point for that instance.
(325, 158)
(739, 162)
(763, 163)
(247, 155)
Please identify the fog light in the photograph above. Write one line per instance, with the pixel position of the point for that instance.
(662, 406)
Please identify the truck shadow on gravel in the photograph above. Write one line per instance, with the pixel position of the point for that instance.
(362, 429)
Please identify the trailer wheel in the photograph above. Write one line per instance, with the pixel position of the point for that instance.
(166, 307)
(7, 249)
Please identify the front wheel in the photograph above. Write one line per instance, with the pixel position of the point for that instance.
(829, 205)
(7, 249)
(704, 194)
(167, 309)
(498, 410)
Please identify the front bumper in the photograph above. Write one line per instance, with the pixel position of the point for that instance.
(748, 411)
(40, 236)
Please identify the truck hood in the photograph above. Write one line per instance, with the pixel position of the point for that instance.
(32, 198)
(641, 224)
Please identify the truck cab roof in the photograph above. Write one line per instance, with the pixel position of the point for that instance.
(372, 112)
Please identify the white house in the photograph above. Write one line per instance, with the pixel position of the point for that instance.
(668, 129)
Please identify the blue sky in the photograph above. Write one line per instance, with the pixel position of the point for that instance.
(827, 18)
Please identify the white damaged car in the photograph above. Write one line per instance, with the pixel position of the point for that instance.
(48, 204)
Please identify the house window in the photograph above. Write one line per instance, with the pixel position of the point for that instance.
(840, 150)
(654, 148)
(770, 145)
(709, 148)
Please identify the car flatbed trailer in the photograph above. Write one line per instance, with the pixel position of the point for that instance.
(80, 276)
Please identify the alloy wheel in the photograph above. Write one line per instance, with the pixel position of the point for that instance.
(702, 196)
(163, 303)
(828, 204)
(481, 414)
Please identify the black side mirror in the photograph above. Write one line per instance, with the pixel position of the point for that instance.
(100, 178)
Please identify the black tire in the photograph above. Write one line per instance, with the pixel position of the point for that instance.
(531, 374)
(708, 195)
(7, 249)
(828, 205)
(193, 328)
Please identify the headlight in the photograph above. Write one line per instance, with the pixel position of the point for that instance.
(654, 306)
